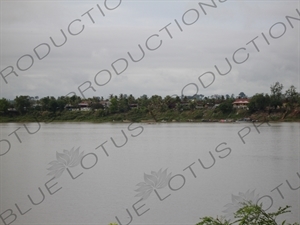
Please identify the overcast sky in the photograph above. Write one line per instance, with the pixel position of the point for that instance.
(179, 60)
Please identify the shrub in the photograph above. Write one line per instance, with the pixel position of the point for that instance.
(249, 214)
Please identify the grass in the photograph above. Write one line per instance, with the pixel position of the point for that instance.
(137, 116)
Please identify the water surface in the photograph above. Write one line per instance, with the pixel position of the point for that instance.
(268, 160)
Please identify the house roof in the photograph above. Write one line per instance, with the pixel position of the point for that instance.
(83, 104)
(241, 101)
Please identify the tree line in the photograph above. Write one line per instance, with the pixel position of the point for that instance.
(124, 103)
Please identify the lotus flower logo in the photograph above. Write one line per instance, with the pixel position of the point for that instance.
(237, 203)
(155, 180)
(64, 160)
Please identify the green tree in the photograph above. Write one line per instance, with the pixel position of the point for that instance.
(113, 108)
(53, 105)
(95, 99)
(62, 102)
(291, 94)
(131, 99)
(22, 103)
(167, 101)
(242, 95)
(4, 105)
(123, 103)
(249, 214)
(192, 105)
(96, 105)
(45, 103)
(259, 102)
(156, 103)
(170, 102)
(75, 100)
(276, 95)
(276, 90)
(226, 107)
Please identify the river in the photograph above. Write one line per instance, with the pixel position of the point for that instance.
(181, 171)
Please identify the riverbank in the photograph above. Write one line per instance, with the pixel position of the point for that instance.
(201, 115)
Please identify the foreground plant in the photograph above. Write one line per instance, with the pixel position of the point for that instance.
(249, 214)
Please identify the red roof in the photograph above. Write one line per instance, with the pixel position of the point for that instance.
(241, 101)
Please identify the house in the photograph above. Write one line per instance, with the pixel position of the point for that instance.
(11, 111)
(199, 106)
(36, 105)
(84, 106)
(215, 106)
(185, 104)
(105, 103)
(241, 103)
(133, 106)
(71, 107)
(209, 105)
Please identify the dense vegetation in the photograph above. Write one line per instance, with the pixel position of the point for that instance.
(274, 106)
(248, 214)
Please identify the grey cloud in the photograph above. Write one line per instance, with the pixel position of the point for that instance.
(167, 70)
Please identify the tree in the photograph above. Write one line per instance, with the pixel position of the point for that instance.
(170, 102)
(276, 95)
(4, 105)
(53, 105)
(61, 103)
(259, 102)
(291, 94)
(131, 99)
(22, 103)
(226, 107)
(192, 105)
(276, 90)
(75, 100)
(113, 108)
(242, 95)
(249, 214)
(97, 105)
(45, 103)
(156, 103)
(95, 99)
(143, 102)
(123, 104)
